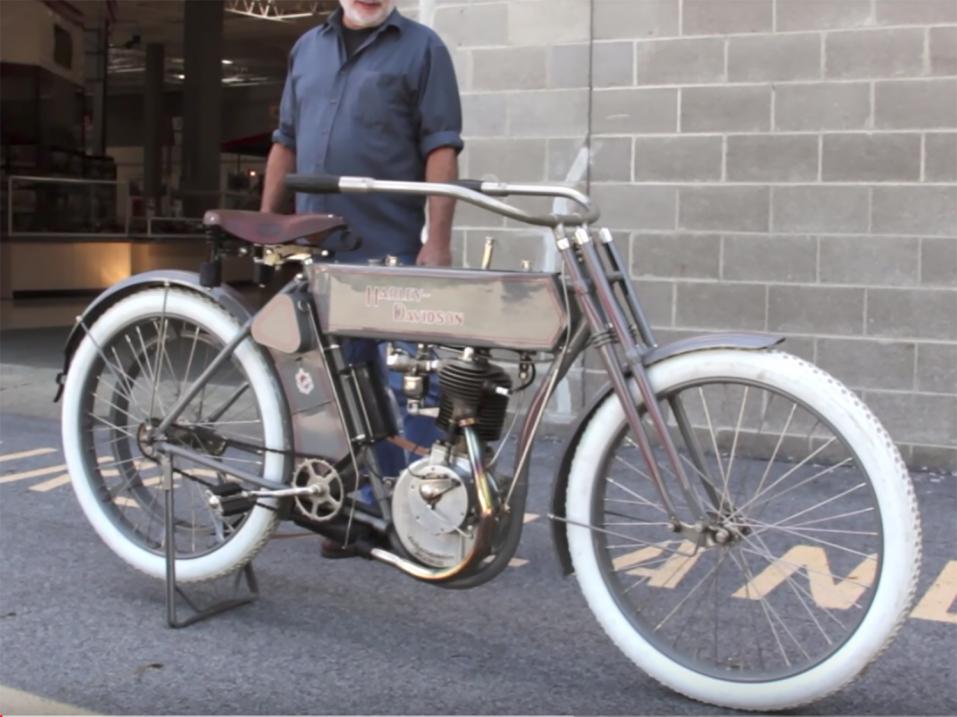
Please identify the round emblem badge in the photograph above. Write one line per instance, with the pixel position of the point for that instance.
(304, 382)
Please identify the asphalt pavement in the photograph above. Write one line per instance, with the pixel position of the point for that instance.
(351, 637)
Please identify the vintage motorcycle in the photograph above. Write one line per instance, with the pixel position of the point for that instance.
(741, 525)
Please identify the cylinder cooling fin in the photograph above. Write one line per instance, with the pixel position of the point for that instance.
(468, 392)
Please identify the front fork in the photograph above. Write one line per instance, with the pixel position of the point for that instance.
(591, 282)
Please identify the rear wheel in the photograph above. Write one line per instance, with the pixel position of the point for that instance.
(804, 554)
(128, 371)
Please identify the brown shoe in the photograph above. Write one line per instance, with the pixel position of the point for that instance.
(333, 549)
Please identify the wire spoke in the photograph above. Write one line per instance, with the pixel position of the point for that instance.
(726, 495)
(764, 607)
(714, 440)
(794, 588)
(616, 534)
(640, 498)
(153, 370)
(686, 597)
(867, 556)
(805, 481)
(130, 384)
(111, 425)
(822, 503)
(832, 517)
(801, 531)
(785, 476)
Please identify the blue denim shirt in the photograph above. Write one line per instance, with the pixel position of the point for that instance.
(377, 114)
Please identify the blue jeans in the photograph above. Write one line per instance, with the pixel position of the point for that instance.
(418, 429)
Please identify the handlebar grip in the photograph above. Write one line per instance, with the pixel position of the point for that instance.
(313, 183)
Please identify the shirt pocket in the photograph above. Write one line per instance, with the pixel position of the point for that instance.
(381, 100)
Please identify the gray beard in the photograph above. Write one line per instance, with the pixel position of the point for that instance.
(362, 24)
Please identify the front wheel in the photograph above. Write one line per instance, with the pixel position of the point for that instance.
(804, 555)
(131, 367)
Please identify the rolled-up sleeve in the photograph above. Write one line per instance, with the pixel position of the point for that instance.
(440, 109)
(285, 134)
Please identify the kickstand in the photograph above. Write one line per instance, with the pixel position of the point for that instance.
(173, 590)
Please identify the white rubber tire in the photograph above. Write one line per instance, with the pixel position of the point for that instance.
(261, 522)
(898, 513)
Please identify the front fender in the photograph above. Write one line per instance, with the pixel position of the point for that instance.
(225, 296)
(706, 342)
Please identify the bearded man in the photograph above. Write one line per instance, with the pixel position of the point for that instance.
(372, 93)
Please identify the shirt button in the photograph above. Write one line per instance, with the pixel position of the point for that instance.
(333, 101)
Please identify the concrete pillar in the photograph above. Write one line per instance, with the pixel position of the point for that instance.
(100, 55)
(202, 103)
(153, 128)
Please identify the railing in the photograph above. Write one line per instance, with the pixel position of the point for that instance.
(74, 208)
(63, 206)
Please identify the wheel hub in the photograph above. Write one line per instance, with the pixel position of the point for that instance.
(199, 438)
(146, 437)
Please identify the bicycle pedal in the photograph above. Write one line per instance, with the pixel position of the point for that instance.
(225, 489)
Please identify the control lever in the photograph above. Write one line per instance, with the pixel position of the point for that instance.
(487, 253)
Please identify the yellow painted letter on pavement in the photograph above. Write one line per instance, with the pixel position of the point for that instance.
(669, 574)
(938, 600)
(827, 593)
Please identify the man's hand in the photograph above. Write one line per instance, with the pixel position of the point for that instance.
(434, 254)
(442, 165)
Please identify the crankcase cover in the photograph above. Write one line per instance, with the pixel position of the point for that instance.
(430, 506)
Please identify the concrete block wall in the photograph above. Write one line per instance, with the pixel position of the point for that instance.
(776, 165)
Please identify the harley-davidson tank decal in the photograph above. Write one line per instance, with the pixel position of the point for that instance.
(457, 306)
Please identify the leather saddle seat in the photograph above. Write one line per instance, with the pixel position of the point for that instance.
(272, 229)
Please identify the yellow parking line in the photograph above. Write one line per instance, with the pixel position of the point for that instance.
(530, 517)
(51, 484)
(26, 454)
(20, 702)
(23, 475)
(517, 562)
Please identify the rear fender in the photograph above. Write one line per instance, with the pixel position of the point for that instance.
(707, 342)
(225, 296)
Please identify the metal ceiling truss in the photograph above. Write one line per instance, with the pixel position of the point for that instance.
(279, 10)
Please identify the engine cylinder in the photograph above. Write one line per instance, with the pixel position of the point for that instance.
(468, 391)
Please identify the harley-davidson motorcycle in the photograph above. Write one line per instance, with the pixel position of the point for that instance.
(739, 522)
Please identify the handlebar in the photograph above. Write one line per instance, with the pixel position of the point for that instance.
(473, 191)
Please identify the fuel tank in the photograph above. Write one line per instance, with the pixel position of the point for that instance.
(459, 307)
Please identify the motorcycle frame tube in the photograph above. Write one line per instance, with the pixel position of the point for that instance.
(630, 299)
(615, 316)
(579, 334)
(589, 283)
(169, 449)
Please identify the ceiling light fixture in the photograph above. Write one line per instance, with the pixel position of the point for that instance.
(278, 11)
